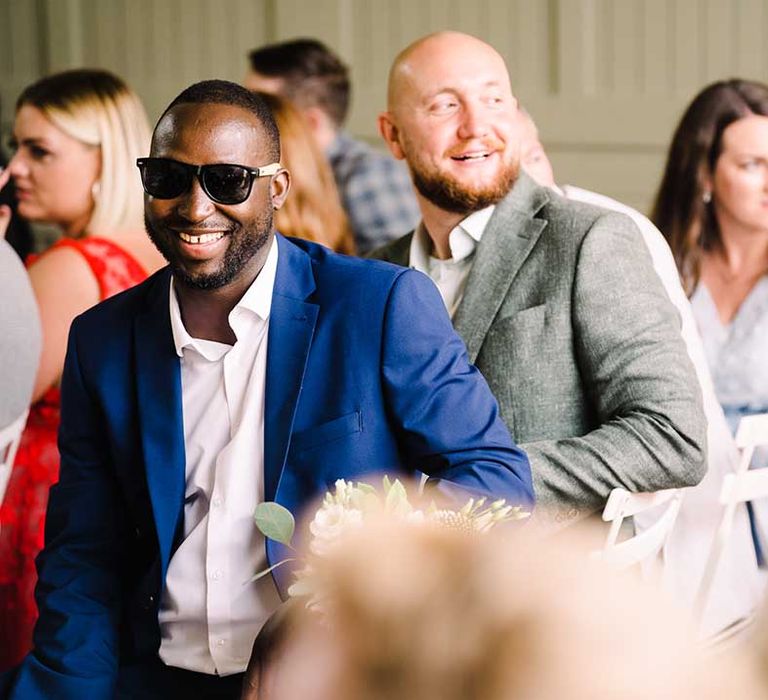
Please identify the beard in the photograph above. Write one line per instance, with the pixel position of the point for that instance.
(244, 244)
(450, 194)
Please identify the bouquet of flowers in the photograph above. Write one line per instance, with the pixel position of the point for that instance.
(350, 504)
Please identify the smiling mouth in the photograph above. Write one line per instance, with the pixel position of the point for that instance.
(202, 238)
(464, 157)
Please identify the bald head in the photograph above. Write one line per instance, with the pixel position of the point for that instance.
(451, 116)
(440, 50)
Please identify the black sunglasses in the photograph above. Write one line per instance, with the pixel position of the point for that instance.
(224, 183)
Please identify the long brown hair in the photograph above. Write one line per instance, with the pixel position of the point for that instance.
(313, 208)
(680, 212)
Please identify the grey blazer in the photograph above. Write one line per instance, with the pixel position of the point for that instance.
(566, 318)
(19, 336)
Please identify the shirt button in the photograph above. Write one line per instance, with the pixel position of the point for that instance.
(220, 642)
(216, 575)
(216, 502)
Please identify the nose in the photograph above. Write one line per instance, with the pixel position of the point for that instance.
(474, 121)
(18, 167)
(194, 205)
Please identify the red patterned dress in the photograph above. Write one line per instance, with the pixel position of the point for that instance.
(22, 513)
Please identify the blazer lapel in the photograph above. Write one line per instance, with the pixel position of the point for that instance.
(158, 384)
(508, 239)
(291, 326)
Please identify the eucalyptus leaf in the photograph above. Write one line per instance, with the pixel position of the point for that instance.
(270, 569)
(275, 522)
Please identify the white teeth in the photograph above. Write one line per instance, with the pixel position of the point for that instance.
(205, 238)
(474, 156)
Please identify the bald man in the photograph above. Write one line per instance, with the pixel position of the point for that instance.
(557, 301)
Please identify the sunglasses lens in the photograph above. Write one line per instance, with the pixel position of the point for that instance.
(227, 184)
(165, 179)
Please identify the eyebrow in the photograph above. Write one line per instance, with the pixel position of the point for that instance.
(32, 141)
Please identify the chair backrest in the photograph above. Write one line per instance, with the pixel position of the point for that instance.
(751, 433)
(9, 443)
(738, 487)
(643, 548)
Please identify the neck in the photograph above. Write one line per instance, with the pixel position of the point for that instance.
(76, 228)
(742, 252)
(439, 224)
(205, 312)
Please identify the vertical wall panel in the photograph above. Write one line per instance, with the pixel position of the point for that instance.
(750, 29)
(657, 46)
(719, 40)
(605, 79)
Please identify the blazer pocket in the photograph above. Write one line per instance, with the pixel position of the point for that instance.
(319, 435)
(526, 322)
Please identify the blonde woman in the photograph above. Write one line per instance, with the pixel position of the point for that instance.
(313, 209)
(77, 135)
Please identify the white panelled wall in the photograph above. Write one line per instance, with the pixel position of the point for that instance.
(606, 80)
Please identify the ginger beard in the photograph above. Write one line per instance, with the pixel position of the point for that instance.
(449, 192)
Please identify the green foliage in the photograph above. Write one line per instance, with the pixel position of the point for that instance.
(275, 522)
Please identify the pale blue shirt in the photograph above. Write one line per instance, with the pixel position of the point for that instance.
(736, 351)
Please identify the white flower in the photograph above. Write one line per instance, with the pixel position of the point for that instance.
(416, 517)
(328, 525)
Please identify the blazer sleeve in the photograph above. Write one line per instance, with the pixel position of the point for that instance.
(446, 419)
(651, 427)
(78, 591)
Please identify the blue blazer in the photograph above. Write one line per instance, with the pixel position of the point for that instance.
(364, 374)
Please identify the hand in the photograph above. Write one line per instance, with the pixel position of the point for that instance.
(5, 210)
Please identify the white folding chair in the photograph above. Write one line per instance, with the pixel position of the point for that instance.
(9, 443)
(644, 548)
(738, 487)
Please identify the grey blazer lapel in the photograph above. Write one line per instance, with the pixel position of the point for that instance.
(508, 239)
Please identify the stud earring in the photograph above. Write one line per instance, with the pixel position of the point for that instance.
(96, 190)
(706, 197)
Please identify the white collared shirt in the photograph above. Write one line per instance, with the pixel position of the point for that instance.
(210, 611)
(450, 275)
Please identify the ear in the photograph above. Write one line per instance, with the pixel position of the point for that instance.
(389, 132)
(322, 127)
(279, 188)
(315, 117)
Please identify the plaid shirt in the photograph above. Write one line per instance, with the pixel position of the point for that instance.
(376, 192)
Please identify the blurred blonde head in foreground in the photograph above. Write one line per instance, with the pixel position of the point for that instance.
(428, 613)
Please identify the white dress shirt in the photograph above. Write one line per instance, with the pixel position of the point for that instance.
(450, 275)
(210, 611)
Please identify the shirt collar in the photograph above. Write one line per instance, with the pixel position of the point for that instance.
(462, 240)
(256, 300)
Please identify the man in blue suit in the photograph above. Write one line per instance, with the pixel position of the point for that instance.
(252, 368)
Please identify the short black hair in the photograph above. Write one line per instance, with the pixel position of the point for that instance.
(312, 75)
(224, 92)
